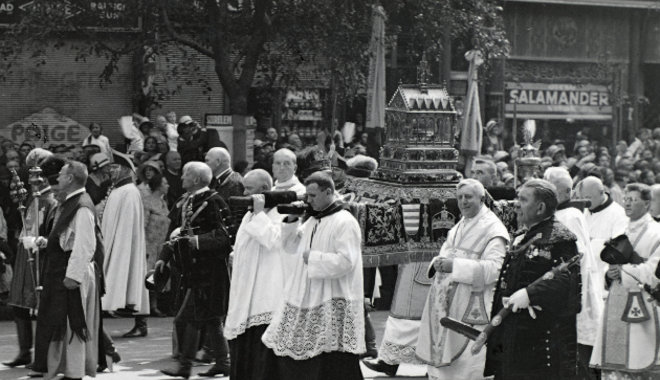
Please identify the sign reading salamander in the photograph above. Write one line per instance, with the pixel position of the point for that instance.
(558, 101)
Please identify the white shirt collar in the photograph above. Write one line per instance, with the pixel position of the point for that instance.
(203, 189)
(288, 183)
(76, 192)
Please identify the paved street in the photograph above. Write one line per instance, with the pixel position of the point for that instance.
(143, 357)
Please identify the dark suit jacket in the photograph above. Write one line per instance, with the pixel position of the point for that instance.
(229, 184)
(204, 270)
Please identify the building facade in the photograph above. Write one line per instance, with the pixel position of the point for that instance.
(580, 65)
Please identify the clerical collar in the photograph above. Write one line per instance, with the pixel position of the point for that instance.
(289, 183)
(333, 208)
(603, 206)
(74, 193)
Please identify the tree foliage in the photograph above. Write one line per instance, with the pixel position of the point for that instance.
(251, 42)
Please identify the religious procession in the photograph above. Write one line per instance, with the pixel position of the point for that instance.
(310, 230)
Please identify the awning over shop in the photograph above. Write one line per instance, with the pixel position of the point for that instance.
(557, 101)
(600, 3)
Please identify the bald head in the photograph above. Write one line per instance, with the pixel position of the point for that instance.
(218, 159)
(592, 189)
(562, 180)
(257, 181)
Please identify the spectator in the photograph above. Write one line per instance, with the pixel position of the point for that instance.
(96, 137)
(192, 141)
(647, 177)
(149, 152)
(169, 130)
(13, 165)
(154, 189)
(25, 149)
(13, 155)
(295, 143)
(272, 137)
(172, 173)
(163, 146)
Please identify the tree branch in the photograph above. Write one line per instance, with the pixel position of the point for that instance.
(178, 38)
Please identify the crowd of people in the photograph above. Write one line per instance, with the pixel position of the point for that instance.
(270, 295)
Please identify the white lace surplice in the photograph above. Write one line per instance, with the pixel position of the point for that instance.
(323, 308)
(257, 276)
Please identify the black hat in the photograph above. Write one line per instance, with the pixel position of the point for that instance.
(122, 159)
(619, 251)
(50, 169)
(156, 280)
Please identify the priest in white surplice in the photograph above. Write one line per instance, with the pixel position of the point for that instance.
(69, 313)
(318, 331)
(125, 264)
(629, 334)
(605, 218)
(464, 274)
(257, 280)
(591, 277)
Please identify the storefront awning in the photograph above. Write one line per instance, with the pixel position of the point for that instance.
(600, 3)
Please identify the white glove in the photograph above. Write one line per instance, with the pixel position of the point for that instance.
(29, 242)
(518, 300)
(175, 234)
(41, 242)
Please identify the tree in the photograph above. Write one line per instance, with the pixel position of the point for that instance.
(262, 42)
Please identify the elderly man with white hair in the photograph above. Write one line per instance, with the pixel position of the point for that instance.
(199, 246)
(592, 279)
(284, 169)
(225, 181)
(464, 274)
(605, 218)
(257, 281)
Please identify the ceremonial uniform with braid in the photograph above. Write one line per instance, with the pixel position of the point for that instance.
(522, 347)
(203, 283)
